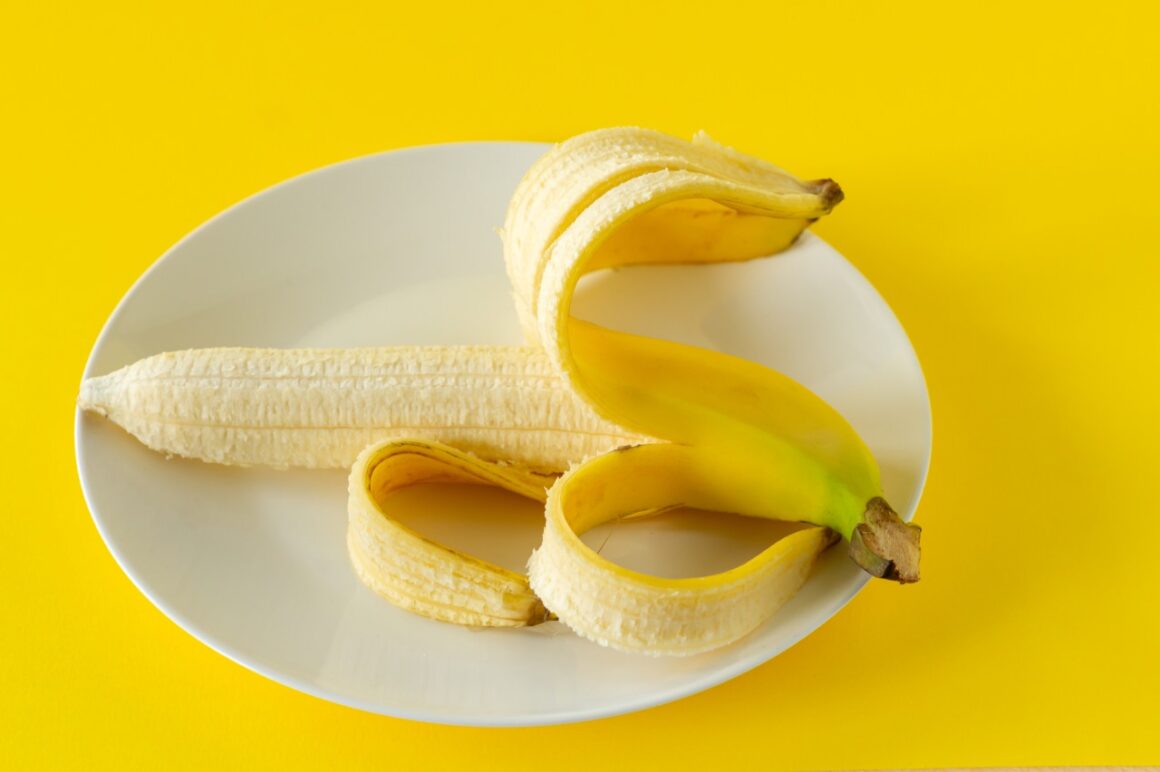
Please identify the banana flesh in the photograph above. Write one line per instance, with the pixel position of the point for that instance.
(318, 408)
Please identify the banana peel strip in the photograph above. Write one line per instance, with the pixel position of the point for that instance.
(637, 612)
(421, 575)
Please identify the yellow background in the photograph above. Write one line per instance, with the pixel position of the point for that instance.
(1001, 167)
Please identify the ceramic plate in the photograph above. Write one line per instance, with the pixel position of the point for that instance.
(400, 248)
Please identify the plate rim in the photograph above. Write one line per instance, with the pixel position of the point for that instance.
(718, 677)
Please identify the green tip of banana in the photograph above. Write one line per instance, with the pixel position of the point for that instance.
(885, 545)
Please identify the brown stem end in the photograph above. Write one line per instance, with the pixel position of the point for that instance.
(829, 191)
(885, 545)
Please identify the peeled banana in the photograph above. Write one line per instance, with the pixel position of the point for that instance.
(318, 408)
(638, 424)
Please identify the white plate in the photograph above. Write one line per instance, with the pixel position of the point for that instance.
(400, 248)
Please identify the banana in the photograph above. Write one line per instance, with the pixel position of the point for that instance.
(638, 424)
(318, 408)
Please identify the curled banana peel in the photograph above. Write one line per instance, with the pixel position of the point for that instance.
(635, 612)
(737, 436)
(416, 573)
(572, 176)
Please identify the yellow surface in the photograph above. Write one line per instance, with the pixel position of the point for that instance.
(1001, 167)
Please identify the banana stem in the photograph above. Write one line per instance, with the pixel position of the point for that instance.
(830, 192)
(885, 545)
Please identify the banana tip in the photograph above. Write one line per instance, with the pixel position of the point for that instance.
(92, 397)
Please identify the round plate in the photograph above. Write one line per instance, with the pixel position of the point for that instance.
(400, 248)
